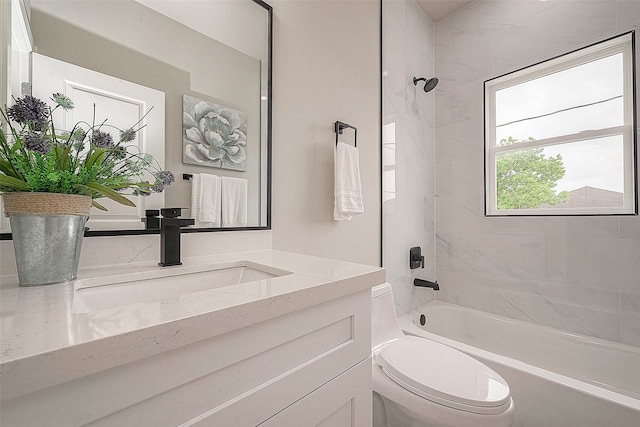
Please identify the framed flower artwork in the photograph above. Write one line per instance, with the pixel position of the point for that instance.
(213, 135)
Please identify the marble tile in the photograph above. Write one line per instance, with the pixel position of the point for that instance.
(534, 308)
(630, 321)
(628, 15)
(523, 256)
(604, 263)
(570, 25)
(393, 223)
(454, 214)
(562, 293)
(410, 137)
(412, 208)
(396, 257)
(421, 182)
(429, 214)
(467, 176)
(444, 250)
(597, 227)
(460, 140)
(630, 227)
(394, 34)
(467, 289)
(490, 17)
(443, 178)
(407, 297)
(458, 103)
(468, 58)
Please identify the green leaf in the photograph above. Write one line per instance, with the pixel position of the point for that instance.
(11, 182)
(96, 157)
(8, 170)
(94, 187)
(63, 158)
(98, 205)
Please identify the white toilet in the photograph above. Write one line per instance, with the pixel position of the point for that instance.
(418, 382)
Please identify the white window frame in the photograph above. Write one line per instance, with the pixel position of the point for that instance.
(620, 44)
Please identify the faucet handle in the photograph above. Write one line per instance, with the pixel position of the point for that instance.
(171, 212)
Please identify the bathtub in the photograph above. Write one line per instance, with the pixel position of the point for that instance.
(556, 378)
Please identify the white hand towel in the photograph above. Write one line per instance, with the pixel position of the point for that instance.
(347, 187)
(234, 202)
(195, 198)
(206, 200)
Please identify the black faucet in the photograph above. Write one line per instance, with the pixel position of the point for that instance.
(426, 284)
(152, 219)
(170, 235)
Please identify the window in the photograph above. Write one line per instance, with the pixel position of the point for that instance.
(560, 135)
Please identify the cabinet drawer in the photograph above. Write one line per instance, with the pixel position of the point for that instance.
(345, 401)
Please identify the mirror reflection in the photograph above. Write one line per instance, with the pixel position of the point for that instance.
(197, 72)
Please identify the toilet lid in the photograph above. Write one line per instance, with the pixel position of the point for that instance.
(444, 375)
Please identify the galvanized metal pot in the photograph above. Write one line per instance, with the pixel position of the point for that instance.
(47, 231)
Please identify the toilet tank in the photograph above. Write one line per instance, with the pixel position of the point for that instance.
(384, 323)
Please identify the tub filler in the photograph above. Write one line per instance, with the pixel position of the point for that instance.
(557, 378)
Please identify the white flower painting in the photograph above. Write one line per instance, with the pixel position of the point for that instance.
(213, 135)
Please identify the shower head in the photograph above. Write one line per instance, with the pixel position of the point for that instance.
(429, 84)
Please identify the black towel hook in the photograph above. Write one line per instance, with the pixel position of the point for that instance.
(339, 128)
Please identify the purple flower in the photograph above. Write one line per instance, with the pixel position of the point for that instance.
(158, 187)
(35, 142)
(101, 139)
(120, 152)
(165, 177)
(29, 110)
(141, 192)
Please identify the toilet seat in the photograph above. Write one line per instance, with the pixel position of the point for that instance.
(444, 375)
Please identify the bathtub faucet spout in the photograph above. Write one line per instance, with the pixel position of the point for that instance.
(426, 284)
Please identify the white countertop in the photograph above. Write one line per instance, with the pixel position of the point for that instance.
(44, 343)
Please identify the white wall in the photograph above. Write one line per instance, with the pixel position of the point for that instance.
(326, 64)
(578, 273)
(408, 150)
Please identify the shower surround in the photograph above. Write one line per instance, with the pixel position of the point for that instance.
(580, 274)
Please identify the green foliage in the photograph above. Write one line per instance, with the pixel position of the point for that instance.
(526, 178)
(35, 157)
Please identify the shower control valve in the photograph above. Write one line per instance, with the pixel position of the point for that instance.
(416, 260)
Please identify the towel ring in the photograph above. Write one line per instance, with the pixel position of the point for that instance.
(339, 128)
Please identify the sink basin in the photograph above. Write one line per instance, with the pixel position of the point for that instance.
(118, 290)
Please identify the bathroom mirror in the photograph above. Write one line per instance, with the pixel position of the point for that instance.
(175, 52)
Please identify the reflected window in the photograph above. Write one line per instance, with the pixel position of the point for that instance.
(560, 135)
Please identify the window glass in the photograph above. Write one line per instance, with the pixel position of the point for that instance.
(589, 96)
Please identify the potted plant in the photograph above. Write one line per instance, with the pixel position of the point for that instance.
(50, 178)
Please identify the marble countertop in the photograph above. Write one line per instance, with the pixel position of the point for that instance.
(43, 342)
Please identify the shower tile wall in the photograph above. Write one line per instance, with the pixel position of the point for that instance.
(580, 274)
(408, 150)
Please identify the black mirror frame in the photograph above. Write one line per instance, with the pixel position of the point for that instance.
(100, 233)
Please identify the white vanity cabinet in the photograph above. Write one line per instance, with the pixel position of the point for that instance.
(307, 367)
